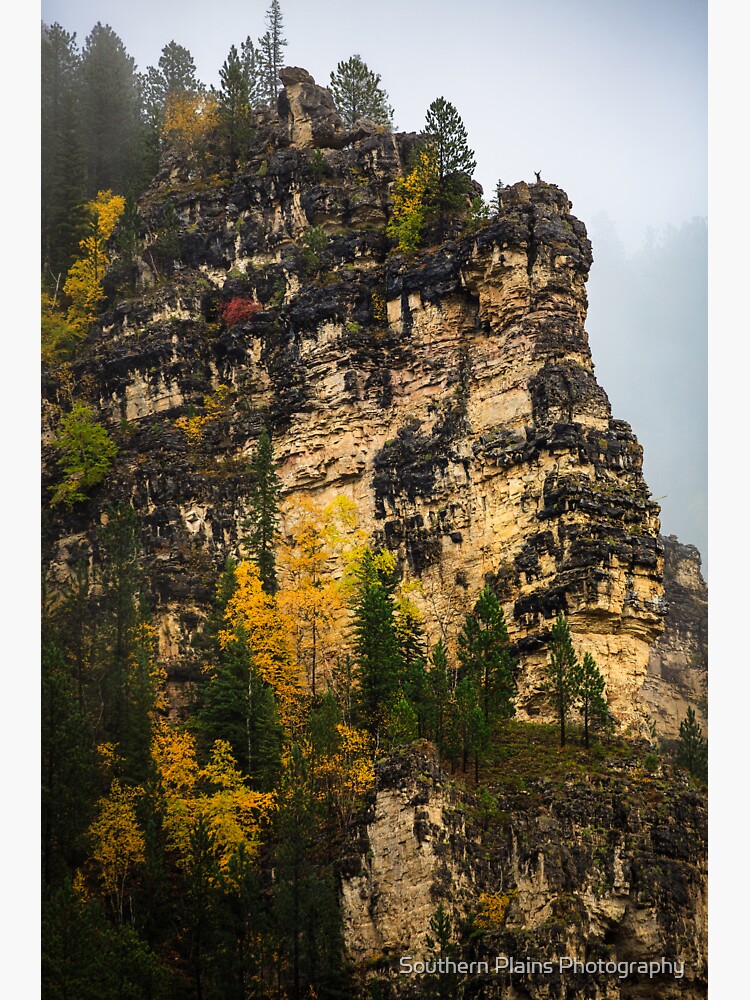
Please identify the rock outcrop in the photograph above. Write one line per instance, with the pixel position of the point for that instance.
(678, 664)
(608, 867)
(451, 395)
(309, 111)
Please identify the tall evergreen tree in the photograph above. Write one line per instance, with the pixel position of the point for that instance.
(413, 656)
(692, 752)
(376, 651)
(68, 764)
(65, 210)
(113, 134)
(125, 653)
(238, 706)
(270, 53)
(234, 107)
(305, 894)
(174, 75)
(466, 729)
(561, 672)
(357, 93)
(252, 66)
(441, 947)
(589, 695)
(61, 163)
(439, 692)
(484, 653)
(262, 522)
(455, 160)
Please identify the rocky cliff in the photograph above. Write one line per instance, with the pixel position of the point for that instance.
(678, 663)
(604, 867)
(452, 395)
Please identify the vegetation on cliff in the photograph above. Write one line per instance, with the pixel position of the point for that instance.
(195, 825)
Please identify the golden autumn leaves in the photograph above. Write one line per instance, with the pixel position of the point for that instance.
(84, 282)
(289, 634)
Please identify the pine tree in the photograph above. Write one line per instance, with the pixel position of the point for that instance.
(234, 107)
(561, 672)
(439, 692)
(66, 211)
(262, 522)
(455, 161)
(441, 947)
(252, 66)
(375, 641)
(62, 162)
(113, 134)
(174, 76)
(177, 69)
(692, 752)
(238, 706)
(413, 655)
(465, 732)
(305, 895)
(589, 694)
(270, 54)
(402, 725)
(68, 762)
(484, 653)
(125, 649)
(357, 93)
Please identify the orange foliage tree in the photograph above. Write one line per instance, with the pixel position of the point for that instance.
(118, 843)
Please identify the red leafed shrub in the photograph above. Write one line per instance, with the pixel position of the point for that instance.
(239, 310)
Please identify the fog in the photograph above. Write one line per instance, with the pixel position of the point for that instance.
(648, 315)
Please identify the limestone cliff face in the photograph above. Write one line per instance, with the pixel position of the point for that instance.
(605, 867)
(678, 664)
(452, 396)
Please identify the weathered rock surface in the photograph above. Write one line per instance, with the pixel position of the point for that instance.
(607, 867)
(452, 396)
(309, 111)
(678, 663)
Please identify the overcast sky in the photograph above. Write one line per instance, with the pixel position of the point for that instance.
(607, 98)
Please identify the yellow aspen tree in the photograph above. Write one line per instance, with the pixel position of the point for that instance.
(119, 845)
(270, 634)
(313, 540)
(189, 118)
(412, 197)
(84, 283)
(349, 772)
(173, 753)
(235, 814)
(218, 793)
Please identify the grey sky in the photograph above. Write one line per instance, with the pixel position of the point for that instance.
(607, 98)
